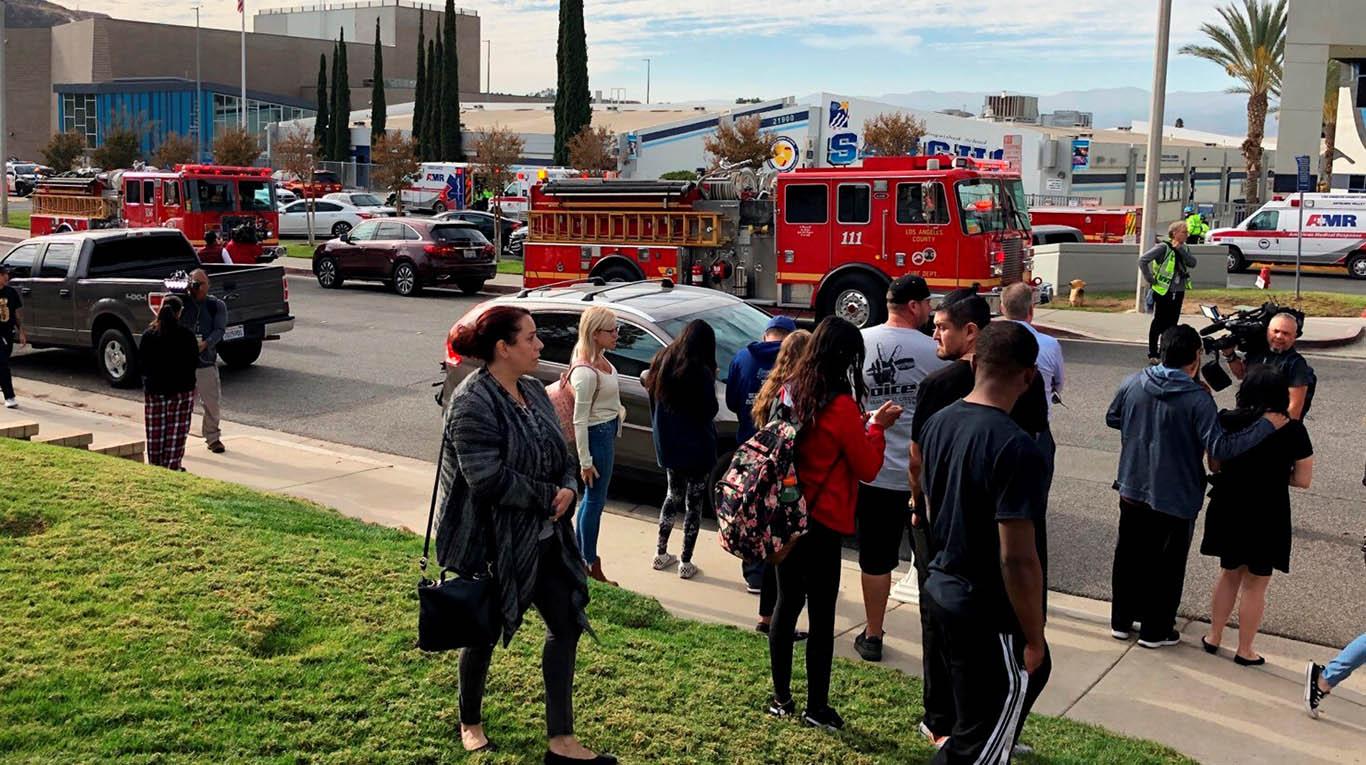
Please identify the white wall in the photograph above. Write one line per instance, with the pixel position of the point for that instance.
(359, 24)
(1114, 267)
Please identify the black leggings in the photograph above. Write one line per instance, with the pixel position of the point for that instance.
(810, 574)
(685, 490)
(553, 599)
(6, 382)
(1166, 314)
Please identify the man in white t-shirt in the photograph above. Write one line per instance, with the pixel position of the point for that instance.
(898, 356)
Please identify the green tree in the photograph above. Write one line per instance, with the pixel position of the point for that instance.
(378, 109)
(122, 144)
(1250, 46)
(573, 109)
(419, 90)
(450, 90)
(431, 127)
(341, 112)
(63, 149)
(321, 125)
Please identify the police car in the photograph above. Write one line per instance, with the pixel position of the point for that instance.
(1334, 234)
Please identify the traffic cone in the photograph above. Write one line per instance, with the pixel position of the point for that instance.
(1264, 279)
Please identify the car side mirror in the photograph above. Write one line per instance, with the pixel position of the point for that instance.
(346, 237)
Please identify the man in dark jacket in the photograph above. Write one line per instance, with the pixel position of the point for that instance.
(747, 373)
(1167, 422)
(207, 316)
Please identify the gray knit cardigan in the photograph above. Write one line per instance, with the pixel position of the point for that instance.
(491, 470)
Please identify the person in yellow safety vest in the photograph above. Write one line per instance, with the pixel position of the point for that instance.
(1196, 227)
(1166, 269)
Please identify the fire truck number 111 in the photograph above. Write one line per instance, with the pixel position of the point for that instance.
(852, 237)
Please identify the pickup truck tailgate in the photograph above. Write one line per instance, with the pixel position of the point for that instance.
(252, 293)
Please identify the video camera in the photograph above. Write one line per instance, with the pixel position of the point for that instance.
(1244, 330)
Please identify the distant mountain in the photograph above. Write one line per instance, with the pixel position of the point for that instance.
(37, 14)
(1216, 112)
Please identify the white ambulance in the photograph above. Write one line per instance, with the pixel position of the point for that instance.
(516, 198)
(439, 186)
(1334, 234)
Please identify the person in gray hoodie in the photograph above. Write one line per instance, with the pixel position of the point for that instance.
(1167, 421)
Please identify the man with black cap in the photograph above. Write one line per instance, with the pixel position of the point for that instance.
(898, 356)
(11, 332)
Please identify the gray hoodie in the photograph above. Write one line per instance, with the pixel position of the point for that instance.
(1167, 422)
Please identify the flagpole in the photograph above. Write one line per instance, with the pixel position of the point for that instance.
(242, 111)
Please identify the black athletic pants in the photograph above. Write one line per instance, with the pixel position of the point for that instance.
(6, 382)
(809, 575)
(552, 598)
(1150, 569)
(1166, 314)
(992, 692)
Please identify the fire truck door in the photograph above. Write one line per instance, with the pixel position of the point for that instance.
(857, 235)
(804, 232)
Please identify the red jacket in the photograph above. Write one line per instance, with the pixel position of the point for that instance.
(834, 454)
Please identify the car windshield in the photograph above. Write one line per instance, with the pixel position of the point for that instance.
(457, 235)
(325, 176)
(736, 326)
(257, 195)
(210, 195)
(987, 205)
(365, 200)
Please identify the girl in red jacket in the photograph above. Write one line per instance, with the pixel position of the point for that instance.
(837, 448)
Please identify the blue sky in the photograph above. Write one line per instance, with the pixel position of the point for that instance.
(722, 49)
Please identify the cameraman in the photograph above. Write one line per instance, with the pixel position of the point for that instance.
(1280, 352)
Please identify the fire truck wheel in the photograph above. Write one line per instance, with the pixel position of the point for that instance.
(340, 228)
(240, 354)
(856, 298)
(62, 229)
(1356, 266)
(405, 280)
(118, 358)
(618, 273)
(329, 275)
(1236, 262)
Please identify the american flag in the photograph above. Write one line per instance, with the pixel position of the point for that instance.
(241, 6)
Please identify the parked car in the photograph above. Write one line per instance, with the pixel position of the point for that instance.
(651, 314)
(516, 247)
(97, 290)
(22, 177)
(365, 201)
(408, 254)
(284, 196)
(484, 222)
(329, 218)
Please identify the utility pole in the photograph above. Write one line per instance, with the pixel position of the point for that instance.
(198, 94)
(647, 80)
(4, 130)
(1152, 173)
(242, 110)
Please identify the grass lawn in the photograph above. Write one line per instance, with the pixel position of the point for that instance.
(510, 267)
(299, 250)
(1312, 303)
(18, 220)
(151, 616)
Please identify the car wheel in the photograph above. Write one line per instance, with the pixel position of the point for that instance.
(117, 358)
(329, 274)
(405, 280)
(340, 228)
(856, 298)
(1236, 262)
(1356, 266)
(717, 471)
(240, 354)
(618, 273)
(438, 207)
(471, 286)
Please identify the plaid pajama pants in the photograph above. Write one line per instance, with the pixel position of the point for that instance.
(167, 417)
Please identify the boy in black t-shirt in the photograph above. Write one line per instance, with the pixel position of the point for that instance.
(11, 333)
(984, 482)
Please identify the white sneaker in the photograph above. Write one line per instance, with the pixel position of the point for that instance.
(664, 560)
(11, 404)
(687, 570)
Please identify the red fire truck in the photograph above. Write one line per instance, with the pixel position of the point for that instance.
(236, 202)
(822, 240)
(1106, 225)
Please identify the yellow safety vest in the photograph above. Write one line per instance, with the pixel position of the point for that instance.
(1195, 225)
(1164, 271)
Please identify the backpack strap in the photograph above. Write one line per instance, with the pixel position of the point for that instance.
(597, 383)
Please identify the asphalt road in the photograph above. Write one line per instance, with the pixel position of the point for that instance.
(359, 365)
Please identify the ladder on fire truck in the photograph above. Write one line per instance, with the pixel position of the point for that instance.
(652, 227)
(72, 198)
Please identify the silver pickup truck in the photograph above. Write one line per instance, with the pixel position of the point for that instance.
(96, 289)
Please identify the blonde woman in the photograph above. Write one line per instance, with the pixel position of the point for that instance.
(598, 415)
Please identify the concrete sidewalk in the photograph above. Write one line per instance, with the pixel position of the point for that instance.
(1339, 336)
(1204, 706)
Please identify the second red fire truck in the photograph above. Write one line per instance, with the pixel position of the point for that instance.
(826, 241)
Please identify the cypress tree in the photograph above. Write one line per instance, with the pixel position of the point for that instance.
(330, 140)
(433, 124)
(321, 135)
(573, 108)
(419, 94)
(450, 91)
(342, 114)
(378, 109)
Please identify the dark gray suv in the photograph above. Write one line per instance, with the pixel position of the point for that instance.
(651, 314)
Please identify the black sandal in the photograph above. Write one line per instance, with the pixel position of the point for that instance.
(1240, 661)
(1209, 647)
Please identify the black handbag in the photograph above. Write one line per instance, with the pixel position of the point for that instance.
(456, 611)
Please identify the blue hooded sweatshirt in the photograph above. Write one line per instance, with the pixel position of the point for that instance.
(1167, 422)
(747, 373)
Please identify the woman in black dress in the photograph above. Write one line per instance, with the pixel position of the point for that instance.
(1247, 526)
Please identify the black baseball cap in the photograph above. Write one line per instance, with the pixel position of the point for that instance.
(907, 289)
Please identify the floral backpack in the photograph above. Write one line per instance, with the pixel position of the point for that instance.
(561, 395)
(759, 505)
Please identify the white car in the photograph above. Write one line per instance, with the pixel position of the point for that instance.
(330, 217)
(364, 200)
(284, 196)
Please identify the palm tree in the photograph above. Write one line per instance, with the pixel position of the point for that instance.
(1250, 46)
(1330, 123)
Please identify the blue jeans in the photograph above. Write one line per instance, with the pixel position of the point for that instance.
(602, 445)
(1342, 665)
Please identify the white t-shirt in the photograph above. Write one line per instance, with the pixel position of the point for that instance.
(896, 361)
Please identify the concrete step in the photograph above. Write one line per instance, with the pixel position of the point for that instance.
(118, 446)
(20, 429)
(75, 439)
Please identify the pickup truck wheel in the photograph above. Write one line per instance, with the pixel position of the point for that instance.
(240, 354)
(405, 280)
(117, 358)
(470, 286)
(329, 274)
(856, 298)
(340, 228)
(1236, 262)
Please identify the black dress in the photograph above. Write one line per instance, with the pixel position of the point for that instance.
(1248, 521)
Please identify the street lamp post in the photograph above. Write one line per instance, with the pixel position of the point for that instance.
(4, 131)
(1152, 173)
(647, 80)
(198, 94)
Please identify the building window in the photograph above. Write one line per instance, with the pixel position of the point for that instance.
(79, 114)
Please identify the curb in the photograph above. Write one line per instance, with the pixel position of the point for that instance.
(1072, 334)
(489, 289)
